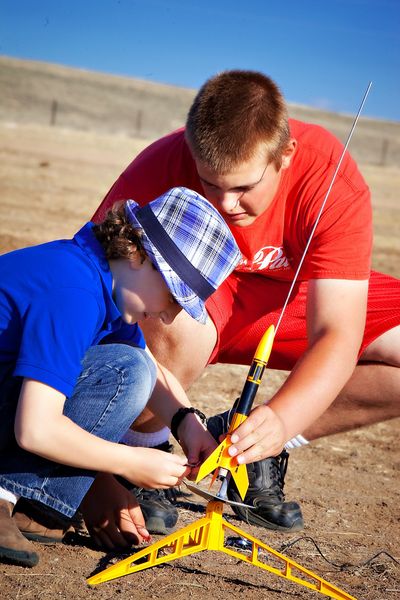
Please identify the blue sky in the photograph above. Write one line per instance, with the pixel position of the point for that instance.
(322, 53)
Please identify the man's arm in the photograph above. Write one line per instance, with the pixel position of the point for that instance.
(336, 311)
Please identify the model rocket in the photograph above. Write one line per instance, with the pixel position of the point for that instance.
(220, 462)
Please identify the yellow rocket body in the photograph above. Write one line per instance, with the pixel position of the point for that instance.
(220, 458)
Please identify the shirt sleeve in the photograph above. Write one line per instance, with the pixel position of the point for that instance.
(58, 329)
(341, 246)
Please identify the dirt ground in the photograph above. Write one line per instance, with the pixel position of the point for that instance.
(51, 180)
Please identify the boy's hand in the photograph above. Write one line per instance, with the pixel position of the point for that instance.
(112, 514)
(196, 442)
(151, 468)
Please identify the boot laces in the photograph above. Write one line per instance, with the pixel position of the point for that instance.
(280, 465)
(273, 481)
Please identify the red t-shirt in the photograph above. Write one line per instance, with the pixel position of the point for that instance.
(273, 245)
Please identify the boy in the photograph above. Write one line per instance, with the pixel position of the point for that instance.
(74, 368)
(340, 336)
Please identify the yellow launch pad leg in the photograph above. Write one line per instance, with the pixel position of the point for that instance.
(208, 533)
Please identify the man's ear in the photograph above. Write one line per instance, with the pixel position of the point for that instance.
(288, 153)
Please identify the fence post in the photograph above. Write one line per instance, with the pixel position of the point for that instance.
(53, 115)
(384, 151)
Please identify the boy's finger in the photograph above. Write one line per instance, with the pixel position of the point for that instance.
(135, 524)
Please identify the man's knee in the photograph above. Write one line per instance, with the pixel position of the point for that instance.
(184, 346)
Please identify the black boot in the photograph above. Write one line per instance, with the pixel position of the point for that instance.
(265, 492)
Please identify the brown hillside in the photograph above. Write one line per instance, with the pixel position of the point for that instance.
(48, 94)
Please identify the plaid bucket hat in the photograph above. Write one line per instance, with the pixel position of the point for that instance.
(189, 243)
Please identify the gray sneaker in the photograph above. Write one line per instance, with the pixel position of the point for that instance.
(265, 492)
(159, 513)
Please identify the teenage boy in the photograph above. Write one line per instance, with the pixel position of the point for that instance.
(74, 368)
(340, 336)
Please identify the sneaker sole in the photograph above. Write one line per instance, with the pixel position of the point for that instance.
(154, 525)
(20, 557)
(42, 539)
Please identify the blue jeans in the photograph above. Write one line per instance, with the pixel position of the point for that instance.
(114, 386)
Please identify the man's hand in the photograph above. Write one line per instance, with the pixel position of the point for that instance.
(112, 514)
(260, 436)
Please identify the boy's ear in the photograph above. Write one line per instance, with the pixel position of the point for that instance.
(135, 259)
(288, 153)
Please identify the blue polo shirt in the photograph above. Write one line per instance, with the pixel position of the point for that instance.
(55, 302)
